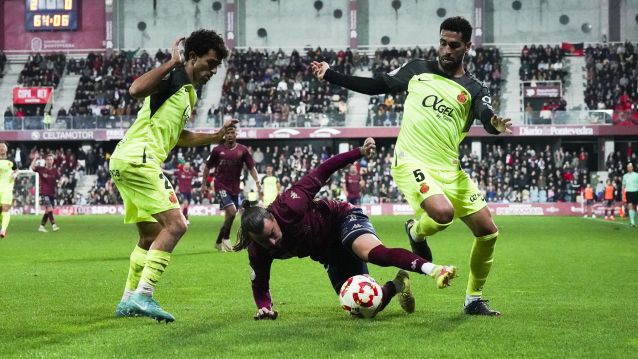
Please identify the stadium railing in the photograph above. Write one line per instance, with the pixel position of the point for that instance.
(584, 117)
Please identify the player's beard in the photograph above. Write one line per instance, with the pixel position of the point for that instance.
(450, 66)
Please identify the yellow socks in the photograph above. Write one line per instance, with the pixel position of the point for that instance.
(426, 226)
(480, 263)
(136, 265)
(156, 262)
(6, 217)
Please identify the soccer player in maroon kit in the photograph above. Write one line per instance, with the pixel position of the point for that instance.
(352, 186)
(336, 234)
(48, 177)
(185, 176)
(226, 162)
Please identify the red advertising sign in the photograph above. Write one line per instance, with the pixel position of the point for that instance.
(32, 95)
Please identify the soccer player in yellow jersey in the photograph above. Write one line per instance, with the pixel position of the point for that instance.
(442, 103)
(270, 186)
(630, 187)
(8, 172)
(149, 199)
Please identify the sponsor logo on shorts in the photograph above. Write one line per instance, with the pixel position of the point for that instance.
(356, 226)
(424, 188)
(477, 196)
(172, 197)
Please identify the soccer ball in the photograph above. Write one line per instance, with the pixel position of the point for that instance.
(360, 296)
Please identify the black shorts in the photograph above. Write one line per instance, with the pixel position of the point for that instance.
(343, 262)
(185, 196)
(226, 200)
(609, 202)
(632, 197)
(47, 200)
(589, 202)
(354, 201)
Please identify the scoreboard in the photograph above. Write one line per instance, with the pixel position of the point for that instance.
(44, 15)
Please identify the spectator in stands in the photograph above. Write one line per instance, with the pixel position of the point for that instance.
(8, 119)
(3, 61)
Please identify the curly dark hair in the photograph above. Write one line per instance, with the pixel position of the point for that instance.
(201, 41)
(458, 24)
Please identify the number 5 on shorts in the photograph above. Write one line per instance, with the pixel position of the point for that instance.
(418, 175)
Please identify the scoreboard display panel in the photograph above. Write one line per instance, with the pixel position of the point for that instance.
(46, 15)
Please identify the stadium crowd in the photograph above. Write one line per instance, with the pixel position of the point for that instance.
(386, 110)
(511, 173)
(542, 63)
(612, 75)
(40, 71)
(105, 80)
(268, 88)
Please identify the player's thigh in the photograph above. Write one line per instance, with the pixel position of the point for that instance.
(416, 183)
(6, 198)
(464, 194)
(225, 199)
(342, 265)
(144, 189)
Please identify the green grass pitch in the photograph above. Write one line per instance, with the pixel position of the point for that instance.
(567, 287)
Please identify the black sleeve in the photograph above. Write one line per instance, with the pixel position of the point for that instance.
(399, 79)
(482, 110)
(366, 85)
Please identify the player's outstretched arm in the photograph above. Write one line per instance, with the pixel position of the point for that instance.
(148, 83)
(366, 85)
(35, 158)
(335, 163)
(194, 139)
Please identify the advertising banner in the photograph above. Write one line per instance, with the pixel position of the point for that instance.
(32, 95)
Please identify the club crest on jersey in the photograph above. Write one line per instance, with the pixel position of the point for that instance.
(172, 197)
(462, 97)
(424, 187)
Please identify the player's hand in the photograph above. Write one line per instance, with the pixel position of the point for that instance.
(369, 148)
(177, 56)
(259, 189)
(501, 124)
(229, 123)
(319, 69)
(204, 190)
(265, 313)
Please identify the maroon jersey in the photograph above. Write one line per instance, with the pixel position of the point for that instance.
(353, 185)
(228, 163)
(309, 227)
(185, 180)
(48, 176)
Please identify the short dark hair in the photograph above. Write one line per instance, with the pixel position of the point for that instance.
(201, 41)
(458, 24)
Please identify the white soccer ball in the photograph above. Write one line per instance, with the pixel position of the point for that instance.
(361, 296)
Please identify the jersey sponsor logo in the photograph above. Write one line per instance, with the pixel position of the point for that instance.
(462, 97)
(477, 196)
(437, 105)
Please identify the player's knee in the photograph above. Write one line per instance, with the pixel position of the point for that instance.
(443, 217)
(231, 212)
(177, 228)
